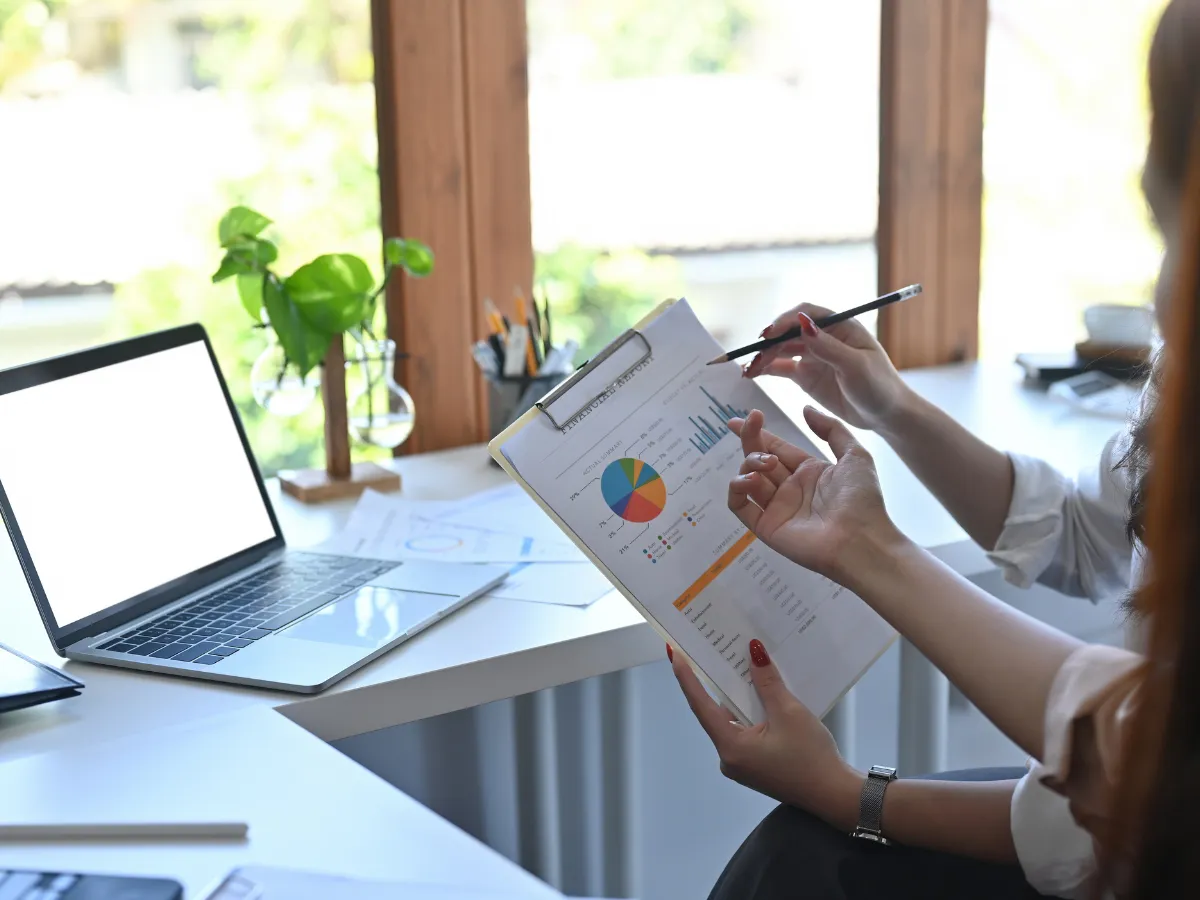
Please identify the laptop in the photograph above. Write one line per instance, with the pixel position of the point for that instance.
(148, 540)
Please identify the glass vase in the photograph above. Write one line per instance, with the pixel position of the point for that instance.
(278, 388)
(381, 412)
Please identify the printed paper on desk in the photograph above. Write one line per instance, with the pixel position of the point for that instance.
(558, 584)
(506, 508)
(382, 527)
(641, 479)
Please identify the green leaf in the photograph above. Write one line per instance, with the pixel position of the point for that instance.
(265, 252)
(304, 345)
(240, 222)
(234, 263)
(332, 292)
(250, 290)
(415, 258)
(262, 252)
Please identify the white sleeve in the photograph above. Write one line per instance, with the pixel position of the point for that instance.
(1068, 535)
(1056, 855)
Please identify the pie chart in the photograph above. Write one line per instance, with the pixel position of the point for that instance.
(633, 490)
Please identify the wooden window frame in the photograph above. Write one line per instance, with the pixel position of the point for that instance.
(931, 87)
(452, 98)
(452, 103)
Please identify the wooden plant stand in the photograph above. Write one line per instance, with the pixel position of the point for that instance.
(340, 478)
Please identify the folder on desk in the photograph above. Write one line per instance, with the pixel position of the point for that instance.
(25, 682)
(631, 457)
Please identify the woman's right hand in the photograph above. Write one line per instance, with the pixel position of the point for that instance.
(843, 368)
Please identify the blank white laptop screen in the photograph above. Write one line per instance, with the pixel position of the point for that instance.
(127, 477)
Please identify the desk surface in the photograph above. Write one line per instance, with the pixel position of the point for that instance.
(308, 807)
(490, 650)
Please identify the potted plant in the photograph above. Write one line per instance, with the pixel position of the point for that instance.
(311, 314)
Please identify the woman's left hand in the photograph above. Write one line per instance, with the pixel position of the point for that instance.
(791, 756)
(824, 516)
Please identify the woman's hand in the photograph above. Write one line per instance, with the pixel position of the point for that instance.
(844, 368)
(821, 515)
(791, 756)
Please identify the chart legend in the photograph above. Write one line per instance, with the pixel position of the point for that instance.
(633, 490)
(708, 433)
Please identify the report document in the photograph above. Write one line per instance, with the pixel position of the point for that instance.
(633, 460)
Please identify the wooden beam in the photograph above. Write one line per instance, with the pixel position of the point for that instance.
(497, 90)
(421, 109)
(453, 110)
(932, 62)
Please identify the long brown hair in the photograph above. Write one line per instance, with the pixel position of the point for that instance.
(1153, 850)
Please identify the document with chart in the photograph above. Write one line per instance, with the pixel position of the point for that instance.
(632, 458)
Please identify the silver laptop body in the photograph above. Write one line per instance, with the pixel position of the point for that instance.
(148, 540)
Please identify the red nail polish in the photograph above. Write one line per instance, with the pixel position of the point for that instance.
(808, 325)
(670, 654)
(758, 653)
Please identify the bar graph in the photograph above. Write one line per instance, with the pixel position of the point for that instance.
(714, 425)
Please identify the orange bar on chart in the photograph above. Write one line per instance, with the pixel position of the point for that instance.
(714, 570)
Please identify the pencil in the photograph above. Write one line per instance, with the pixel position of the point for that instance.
(522, 317)
(490, 308)
(124, 831)
(895, 297)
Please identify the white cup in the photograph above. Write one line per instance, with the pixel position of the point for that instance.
(1115, 325)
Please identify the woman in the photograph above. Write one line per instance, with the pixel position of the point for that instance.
(1074, 541)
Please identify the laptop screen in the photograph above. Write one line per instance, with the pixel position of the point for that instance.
(127, 477)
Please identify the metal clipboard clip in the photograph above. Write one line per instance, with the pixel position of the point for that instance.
(556, 395)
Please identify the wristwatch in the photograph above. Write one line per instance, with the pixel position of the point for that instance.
(870, 805)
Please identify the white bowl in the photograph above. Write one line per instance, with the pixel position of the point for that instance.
(1119, 326)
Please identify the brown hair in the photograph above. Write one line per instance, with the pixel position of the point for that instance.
(1152, 851)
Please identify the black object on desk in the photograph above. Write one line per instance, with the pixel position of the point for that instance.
(20, 885)
(1125, 364)
(25, 682)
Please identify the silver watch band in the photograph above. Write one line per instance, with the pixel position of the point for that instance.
(870, 804)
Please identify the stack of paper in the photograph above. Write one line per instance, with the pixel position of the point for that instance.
(502, 525)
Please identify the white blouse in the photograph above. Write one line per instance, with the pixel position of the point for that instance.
(1070, 536)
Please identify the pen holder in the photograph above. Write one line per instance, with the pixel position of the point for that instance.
(509, 398)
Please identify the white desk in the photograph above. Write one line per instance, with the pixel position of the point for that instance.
(491, 650)
(308, 807)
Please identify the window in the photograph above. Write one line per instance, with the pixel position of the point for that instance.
(1065, 129)
(722, 150)
(130, 126)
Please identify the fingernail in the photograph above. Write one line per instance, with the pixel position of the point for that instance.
(809, 326)
(670, 654)
(758, 653)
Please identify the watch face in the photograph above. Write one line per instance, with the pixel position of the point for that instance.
(883, 772)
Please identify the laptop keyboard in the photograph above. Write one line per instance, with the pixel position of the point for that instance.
(220, 624)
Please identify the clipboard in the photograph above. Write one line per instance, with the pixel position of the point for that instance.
(827, 663)
(560, 407)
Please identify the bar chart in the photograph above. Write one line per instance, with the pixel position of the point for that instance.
(711, 428)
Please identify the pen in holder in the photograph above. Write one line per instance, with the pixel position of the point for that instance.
(520, 360)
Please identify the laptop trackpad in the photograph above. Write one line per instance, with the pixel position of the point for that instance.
(370, 617)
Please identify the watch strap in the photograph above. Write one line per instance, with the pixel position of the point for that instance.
(870, 804)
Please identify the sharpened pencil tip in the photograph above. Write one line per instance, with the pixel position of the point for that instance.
(724, 357)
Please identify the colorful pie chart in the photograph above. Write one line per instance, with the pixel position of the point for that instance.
(633, 490)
